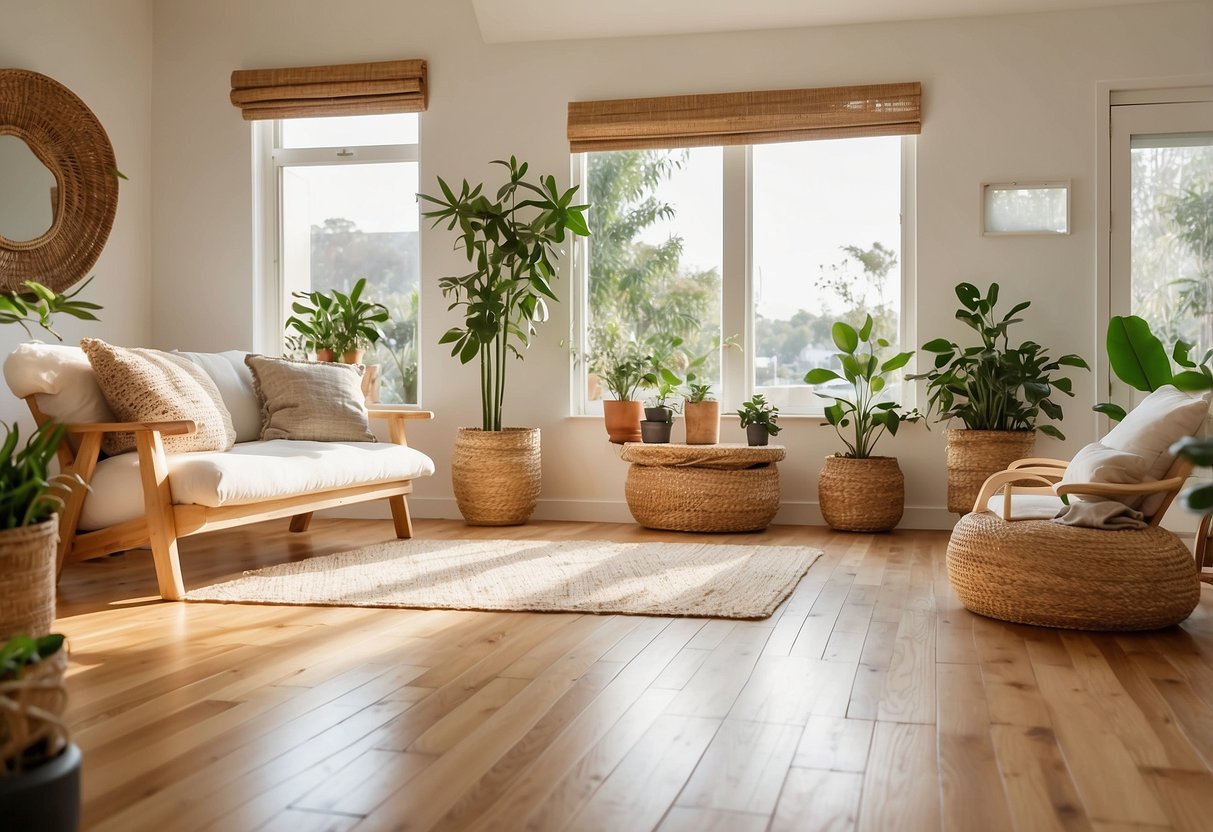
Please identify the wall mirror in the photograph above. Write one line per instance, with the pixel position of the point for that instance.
(58, 183)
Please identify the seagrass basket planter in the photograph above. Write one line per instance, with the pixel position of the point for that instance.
(27, 579)
(1043, 573)
(496, 475)
(973, 455)
(861, 495)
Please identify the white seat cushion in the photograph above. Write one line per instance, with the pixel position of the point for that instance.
(250, 472)
(1027, 506)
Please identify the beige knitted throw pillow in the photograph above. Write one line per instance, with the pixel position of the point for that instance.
(310, 400)
(144, 385)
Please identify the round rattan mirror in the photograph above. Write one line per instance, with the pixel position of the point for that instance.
(65, 136)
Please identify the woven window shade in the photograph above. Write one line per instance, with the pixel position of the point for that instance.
(746, 117)
(341, 90)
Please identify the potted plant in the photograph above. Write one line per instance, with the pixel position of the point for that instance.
(1139, 359)
(998, 391)
(701, 413)
(336, 325)
(858, 491)
(510, 241)
(619, 365)
(760, 419)
(39, 767)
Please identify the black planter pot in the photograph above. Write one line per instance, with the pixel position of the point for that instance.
(659, 414)
(655, 433)
(46, 798)
(756, 434)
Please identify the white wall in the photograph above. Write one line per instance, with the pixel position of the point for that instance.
(103, 53)
(1004, 98)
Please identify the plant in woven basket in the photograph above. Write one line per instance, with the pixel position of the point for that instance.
(32, 700)
(511, 241)
(993, 385)
(1139, 359)
(865, 416)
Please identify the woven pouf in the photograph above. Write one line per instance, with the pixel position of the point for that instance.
(1041, 572)
(703, 499)
(496, 475)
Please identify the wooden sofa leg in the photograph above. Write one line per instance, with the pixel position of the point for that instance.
(158, 505)
(300, 522)
(400, 516)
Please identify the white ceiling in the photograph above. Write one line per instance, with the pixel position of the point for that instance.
(513, 21)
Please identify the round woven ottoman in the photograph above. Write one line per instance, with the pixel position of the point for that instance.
(1041, 572)
(702, 488)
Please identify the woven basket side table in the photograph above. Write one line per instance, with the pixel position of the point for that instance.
(702, 488)
(1043, 573)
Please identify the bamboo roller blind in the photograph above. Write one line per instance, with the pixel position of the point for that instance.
(746, 117)
(338, 90)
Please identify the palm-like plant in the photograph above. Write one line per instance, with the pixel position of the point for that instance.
(511, 241)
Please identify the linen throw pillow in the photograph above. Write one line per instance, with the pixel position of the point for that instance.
(310, 400)
(1099, 463)
(144, 385)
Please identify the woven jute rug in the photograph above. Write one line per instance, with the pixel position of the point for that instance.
(688, 579)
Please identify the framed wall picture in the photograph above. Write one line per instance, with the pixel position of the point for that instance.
(1019, 208)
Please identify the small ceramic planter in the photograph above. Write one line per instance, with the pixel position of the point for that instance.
(757, 434)
(655, 433)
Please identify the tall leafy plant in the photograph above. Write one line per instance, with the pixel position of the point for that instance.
(511, 240)
(994, 385)
(1139, 359)
(864, 416)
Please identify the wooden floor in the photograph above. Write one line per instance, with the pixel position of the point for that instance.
(870, 700)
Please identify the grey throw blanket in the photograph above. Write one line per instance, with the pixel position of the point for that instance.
(1106, 514)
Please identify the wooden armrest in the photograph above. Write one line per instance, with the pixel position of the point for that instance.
(164, 428)
(1005, 478)
(1038, 462)
(382, 413)
(1118, 489)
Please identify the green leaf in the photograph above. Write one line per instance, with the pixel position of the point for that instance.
(820, 376)
(865, 331)
(1198, 498)
(1181, 353)
(845, 336)
(968, 295)
(1050, 430)
(1192, 381)
(938, 345)
(1113, 411)
(896, 362)
(1137, 356)
(1199, 451)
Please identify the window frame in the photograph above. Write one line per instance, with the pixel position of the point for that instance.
(269, 160)
(737, 285)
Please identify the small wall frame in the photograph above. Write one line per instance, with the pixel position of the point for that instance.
(1021, 208)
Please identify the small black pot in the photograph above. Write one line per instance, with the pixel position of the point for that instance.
(655, 433)
(46, 798)
(756, 434)
(659, 414)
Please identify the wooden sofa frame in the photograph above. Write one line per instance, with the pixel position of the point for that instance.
(164, 523)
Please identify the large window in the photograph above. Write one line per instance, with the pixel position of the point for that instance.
(344, 208)
(766, 245)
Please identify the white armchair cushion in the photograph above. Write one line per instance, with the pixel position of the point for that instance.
(251, 472)
(1027, 506)
(1099, 463)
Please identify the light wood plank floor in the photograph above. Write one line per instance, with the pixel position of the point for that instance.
(871, 700)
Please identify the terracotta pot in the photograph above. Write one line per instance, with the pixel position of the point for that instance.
(352, 356)
(622, 420)
(28, 560)
(702, 422)
(973, 455)
(326, 355)
(861, 495)
(496, 475)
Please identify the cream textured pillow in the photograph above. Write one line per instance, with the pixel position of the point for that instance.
(143, 385)
(309, 400)
(1099, 463)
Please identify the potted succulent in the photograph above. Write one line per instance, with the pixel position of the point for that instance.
(760, 419)
(999, 392)
(701, 413)
(335, 325)
(857, 490)
(511, 241)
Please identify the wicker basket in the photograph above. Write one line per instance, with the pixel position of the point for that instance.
(1041, 572)
(27, 579)
(496, 475)
(861, 495)
(973, 455)
(703, 499)
(31, 711)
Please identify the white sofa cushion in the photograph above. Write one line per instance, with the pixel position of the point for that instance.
(1027, 506)
(235, 382)
(61, 379)
(250, 472)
